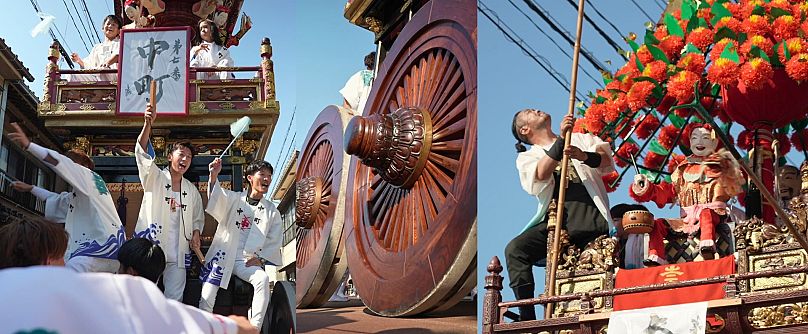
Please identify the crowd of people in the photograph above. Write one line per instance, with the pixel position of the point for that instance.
(84, 234)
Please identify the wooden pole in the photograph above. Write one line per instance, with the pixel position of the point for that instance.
(153, 95)
(562, 187)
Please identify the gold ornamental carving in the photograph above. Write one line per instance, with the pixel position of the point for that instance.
(86, 107)
(374, 24)
(778, 260)
(196, 81)
(246, 146)
(227, 106)
(778, 315)
(754, 234)
(256, 105)
(579, 284)
(81, 143)
(198, 107)
(159, 143)
(61, 82)
(203, 186)
(112, 106)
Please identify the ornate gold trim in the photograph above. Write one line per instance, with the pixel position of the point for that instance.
(196, 81)
(256, 105)
(61, 82)
(197, 107)
(227, 105)
(87, 107)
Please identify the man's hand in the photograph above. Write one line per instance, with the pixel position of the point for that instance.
(21, 186)
(196, 243)
(150, 114)
(566, 124)
(244, 325)
(18, 136)
(575, 153)
(252, 262)
(75, 57)
(215, 167)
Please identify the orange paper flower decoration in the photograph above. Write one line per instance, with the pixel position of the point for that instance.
(646, 127)
(701, 37)
(723, 72)
(681, 86)
(755, 73)
(638, 95)
(797, 67)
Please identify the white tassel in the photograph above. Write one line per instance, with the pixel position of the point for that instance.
(44, 24)
(237, 129)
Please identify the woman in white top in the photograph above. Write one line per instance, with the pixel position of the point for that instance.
(209, 51)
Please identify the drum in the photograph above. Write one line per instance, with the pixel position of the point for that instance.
(638, 222)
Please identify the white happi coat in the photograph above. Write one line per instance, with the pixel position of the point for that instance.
(50, 299)
(215, 56)
(155, 210)
(357, 90)
(230, 209)
(89, 214)
(99, 55)
(527, 162)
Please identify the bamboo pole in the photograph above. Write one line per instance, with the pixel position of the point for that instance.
(562, 190)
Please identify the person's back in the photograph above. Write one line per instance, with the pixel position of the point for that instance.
(53, 299)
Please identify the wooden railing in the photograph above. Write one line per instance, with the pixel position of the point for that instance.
(731, 310)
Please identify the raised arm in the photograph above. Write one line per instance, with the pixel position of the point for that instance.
(149, 117)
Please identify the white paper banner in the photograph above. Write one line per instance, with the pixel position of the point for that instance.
(675, 319)
(154, 54)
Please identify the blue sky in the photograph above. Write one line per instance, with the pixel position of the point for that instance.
(273, 18)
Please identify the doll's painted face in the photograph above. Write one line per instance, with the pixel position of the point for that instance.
(789, 182)
(702, 142)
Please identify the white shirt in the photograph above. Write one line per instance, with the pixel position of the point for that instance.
(357, 90)
(58, 300)
(101, 53)
(528, 161)
(214, 56)
(173, 228)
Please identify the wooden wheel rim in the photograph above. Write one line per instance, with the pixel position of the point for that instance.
(320, 261)
(434, 259)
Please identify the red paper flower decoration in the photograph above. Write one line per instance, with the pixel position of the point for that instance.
(638, 95)
(692, 62)
(795, 46)
(718, 48)
(755, 73)
(756, 25)
(667, 136)
(800, 139)
(672, 46)
(729, 22)
(626, 151)
(797, 67)
(785, 27)
(656, 70)
(579, 125)
(784, 143)
(674, 161)
(608, 179)
(644, 55)
(745, 139)
(646, 127)
(761, 42)
(701, 37)
(681, 86)
(653, 160)
(723, 72)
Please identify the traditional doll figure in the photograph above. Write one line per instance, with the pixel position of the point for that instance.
(788, 183)
(702, 185)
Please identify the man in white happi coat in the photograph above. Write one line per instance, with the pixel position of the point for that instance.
(247, 239)
(171, 213)
(357, 89)
(88, 212)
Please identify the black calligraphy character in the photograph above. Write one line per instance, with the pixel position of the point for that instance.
(128, 90)
(175, 60)
(176, 74)
(142, 85)
(151, 50)
(177, 46)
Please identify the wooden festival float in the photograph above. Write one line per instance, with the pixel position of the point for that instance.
(392, 194)
(79, 106)
(714, 62)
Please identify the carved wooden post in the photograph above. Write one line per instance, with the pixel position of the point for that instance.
(731, 289)
(395, 145)
(587, 305)
(493, 295)
(51, 75)
(268, 70)
(551, 226)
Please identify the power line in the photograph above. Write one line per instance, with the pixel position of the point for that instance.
(78, 14)
(90, 18)
(591, 5)
(564, 51)
(660, 4)
(600, 32)
(50, 31)
(643, 11)
(77, 27)
(291, 121)
(527, 49)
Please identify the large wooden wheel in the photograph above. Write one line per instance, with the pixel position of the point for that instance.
(320, 207)
(281, 315)
(411, 210)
